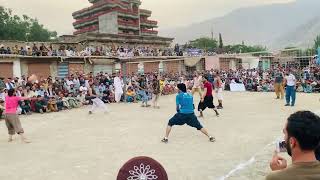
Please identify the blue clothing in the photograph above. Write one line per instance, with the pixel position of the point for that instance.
(144, 96)
(40, 92)
(184, 102)
(180, 119)
(130, 99)
(291, 94)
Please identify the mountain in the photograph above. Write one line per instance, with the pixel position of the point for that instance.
(256, 25)
(303, 36)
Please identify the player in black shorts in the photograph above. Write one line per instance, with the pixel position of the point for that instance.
(207, 98)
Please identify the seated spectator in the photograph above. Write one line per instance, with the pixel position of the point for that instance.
(40, 105)
(35, 51)
(15, 50)
(131, 95)
(82, 98)
(105, 97)
(73, 102)
(43, 50)
(52, 104)
(29, 51)
(25, 107)
(302, 136)
(307, 88)
(300, 87)
(64, 100)
(2, 49)
(111, 96)
(9, 50)
(41, 91)
(23, 52)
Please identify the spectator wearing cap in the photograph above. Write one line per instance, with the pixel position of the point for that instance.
(302, 136)
(142, 168)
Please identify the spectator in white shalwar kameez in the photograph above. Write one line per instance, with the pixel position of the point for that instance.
(118, 88)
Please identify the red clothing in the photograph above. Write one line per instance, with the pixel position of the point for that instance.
(12, 104)
(208, 85)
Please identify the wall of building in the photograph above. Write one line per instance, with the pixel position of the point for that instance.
(6, 68)
(212, 62)
(173, 66)
(150, 67)
(108, 23)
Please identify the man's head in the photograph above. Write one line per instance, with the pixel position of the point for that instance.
(11, 92)
(205, 79)
(302, 132)
(182, 87)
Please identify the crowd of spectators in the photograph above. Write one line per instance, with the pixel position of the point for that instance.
(308, 79)
(122, 51)
(57, 94)
(68, 50)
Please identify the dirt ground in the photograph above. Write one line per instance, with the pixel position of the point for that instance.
(73, 145)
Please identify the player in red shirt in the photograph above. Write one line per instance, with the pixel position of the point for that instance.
(207, 98)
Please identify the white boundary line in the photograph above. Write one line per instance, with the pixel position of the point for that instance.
(245, 164)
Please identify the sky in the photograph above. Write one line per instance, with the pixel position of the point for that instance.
(56, 14)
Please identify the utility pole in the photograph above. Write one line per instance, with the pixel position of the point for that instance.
(212, 33)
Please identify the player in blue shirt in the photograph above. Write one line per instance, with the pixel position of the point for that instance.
(185, 114)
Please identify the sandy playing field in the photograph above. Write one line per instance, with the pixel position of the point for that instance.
(73, 145)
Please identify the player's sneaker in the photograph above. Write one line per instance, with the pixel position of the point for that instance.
(212, 139)
(165, 140)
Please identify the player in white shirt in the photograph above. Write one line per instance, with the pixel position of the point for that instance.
(197, 81)
(290, 89)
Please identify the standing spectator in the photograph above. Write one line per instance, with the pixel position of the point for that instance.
(156, 91)
(143, 91)
(291, 89)
(278, 85)
(118, 88)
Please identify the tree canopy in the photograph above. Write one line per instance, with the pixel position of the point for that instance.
(317, 42)
(209, 44)
(242, 48)
(205, 43)
(14, 27)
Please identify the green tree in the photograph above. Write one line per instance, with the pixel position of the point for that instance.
(317, 42)
(220, 41)
(13, 27)
(242, 48)
(204, 43)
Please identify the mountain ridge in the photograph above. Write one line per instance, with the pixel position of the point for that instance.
(261, 25)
